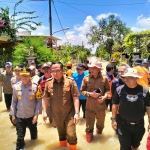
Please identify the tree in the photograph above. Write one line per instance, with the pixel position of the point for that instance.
(41, 52)
(107, 32)
(10, 25)
(138, 42)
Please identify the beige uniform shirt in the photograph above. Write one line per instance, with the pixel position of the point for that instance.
(89, 84)
(61, 97)
(5, 79)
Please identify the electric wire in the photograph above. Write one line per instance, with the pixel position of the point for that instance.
(125, 4)
(60, 21)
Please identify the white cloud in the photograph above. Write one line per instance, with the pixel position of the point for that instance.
(41, 30)
(89, 21)
(137, 29)
(143, 22)
(78, 35)
(139, 17)
(99, 17)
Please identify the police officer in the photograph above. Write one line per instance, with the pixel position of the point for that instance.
(131, 99)
(25, 107)
(63, 94)
(17, 76)
(96, 88)
(5, 80)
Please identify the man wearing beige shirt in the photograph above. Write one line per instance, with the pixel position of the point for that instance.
(5, 80)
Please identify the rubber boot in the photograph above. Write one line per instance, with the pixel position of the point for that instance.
(98, 131)
(89, 137)
(63, 143)
(72, 147)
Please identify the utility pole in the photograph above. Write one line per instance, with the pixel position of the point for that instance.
(50, 22)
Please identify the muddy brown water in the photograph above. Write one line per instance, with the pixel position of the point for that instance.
(48, 137)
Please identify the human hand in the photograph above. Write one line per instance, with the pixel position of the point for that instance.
(14, 119)
(114, 125)
(34, 120)
(101, 99)
(94, 94)
(44, 116)
(76, 118)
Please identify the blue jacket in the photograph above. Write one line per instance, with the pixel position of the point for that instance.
(78, 78)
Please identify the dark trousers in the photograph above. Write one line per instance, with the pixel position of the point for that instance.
(128, 134)
(109, 103)
(83, 104)
(8, 98)
(67, 130)
(21, 125)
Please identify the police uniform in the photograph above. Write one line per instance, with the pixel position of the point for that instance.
(130, 120)
(5, 79)
(14, 80)
(26, 103)
(62, 106)
(93, 108)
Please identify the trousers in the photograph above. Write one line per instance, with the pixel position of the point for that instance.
(67, 130)
(21, 125)
(8, 98)
(90, 120)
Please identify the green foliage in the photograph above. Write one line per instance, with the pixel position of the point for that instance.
(100, 52)
(67, 51)
(10, 25)
(40, 51)
(116, 56)
(108, 32)
(138, 41)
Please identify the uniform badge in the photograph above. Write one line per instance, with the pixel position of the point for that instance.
(19, 88)
(19, 95)
(31, 97)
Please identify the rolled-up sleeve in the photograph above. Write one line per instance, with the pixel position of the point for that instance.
(83, 89)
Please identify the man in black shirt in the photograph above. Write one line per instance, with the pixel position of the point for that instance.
(130, 99)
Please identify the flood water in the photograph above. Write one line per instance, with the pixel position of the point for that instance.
(48, 137)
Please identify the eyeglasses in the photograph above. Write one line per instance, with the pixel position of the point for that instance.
(56, 71)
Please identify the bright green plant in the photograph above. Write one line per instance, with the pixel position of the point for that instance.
(10, 25)
(40, 51)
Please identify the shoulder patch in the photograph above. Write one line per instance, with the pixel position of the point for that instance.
(49, 79)
(18, 82)
(35, 83)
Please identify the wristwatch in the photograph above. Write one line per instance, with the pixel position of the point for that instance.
(113, 119)
(77, 113)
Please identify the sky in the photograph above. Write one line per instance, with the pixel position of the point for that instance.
(80, 15)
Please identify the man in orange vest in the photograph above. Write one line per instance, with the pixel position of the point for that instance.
(142, 71)
(69, 69)
(110, 77)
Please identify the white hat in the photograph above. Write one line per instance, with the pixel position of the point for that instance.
(131, 72)
(97, 64)
(32, 67)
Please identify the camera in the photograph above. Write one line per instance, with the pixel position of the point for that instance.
(98, 90)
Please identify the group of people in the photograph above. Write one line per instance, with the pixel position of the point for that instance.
(29, 92)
